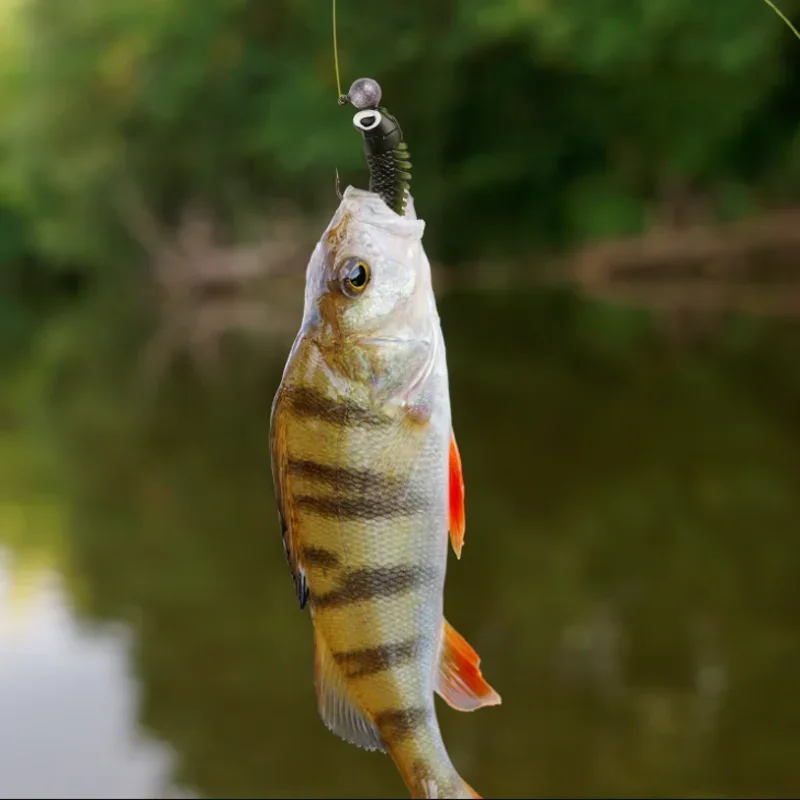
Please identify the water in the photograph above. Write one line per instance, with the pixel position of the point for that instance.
(628, 578)
(68, 701)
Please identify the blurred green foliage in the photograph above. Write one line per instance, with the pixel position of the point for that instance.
(536, 123)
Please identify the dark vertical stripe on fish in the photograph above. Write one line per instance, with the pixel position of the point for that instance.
(367, 584)
(320, 557)
(399, 723)
(308, 402)
(374, 506)
(372, 660)
(345, 481)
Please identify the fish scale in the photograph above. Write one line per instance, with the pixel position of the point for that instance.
(368, 483)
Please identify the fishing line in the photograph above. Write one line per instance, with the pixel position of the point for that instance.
(341, 97)
(778, 12)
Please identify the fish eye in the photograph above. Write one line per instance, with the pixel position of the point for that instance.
(367, 120)
(356, 275)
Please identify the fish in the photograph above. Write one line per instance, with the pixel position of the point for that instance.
(369, 486)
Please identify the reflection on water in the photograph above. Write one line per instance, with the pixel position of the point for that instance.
(629, 579)
(67, 701)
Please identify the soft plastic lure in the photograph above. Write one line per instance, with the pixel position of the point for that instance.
(388, 158)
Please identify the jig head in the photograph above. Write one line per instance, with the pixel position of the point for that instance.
(387, 154)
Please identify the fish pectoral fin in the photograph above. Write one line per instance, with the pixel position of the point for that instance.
(459, 681)
(336, 707)
(458, 520)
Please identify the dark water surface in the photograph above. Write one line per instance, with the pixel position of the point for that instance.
(629, 576)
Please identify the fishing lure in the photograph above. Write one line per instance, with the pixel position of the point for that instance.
(387, 153)
(388, 158)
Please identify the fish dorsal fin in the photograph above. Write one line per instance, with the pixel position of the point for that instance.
(336, 706)
(278, 432)
(459, 681)
(457, 520)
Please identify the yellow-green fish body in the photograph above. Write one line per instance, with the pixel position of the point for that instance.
(368, 483)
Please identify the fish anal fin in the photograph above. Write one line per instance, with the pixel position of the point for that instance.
(457, 520)
(459, 681)
(336, 707)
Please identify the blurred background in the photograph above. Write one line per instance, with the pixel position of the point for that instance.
(612, 194)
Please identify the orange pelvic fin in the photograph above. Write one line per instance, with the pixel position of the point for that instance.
(459, 681)
(458, 520)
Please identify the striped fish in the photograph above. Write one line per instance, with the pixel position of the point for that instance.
(368, 483)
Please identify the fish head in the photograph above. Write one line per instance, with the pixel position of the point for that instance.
(369, 277)
(369, 302)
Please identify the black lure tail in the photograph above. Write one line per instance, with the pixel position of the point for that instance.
(390, 176)
(387, 154)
